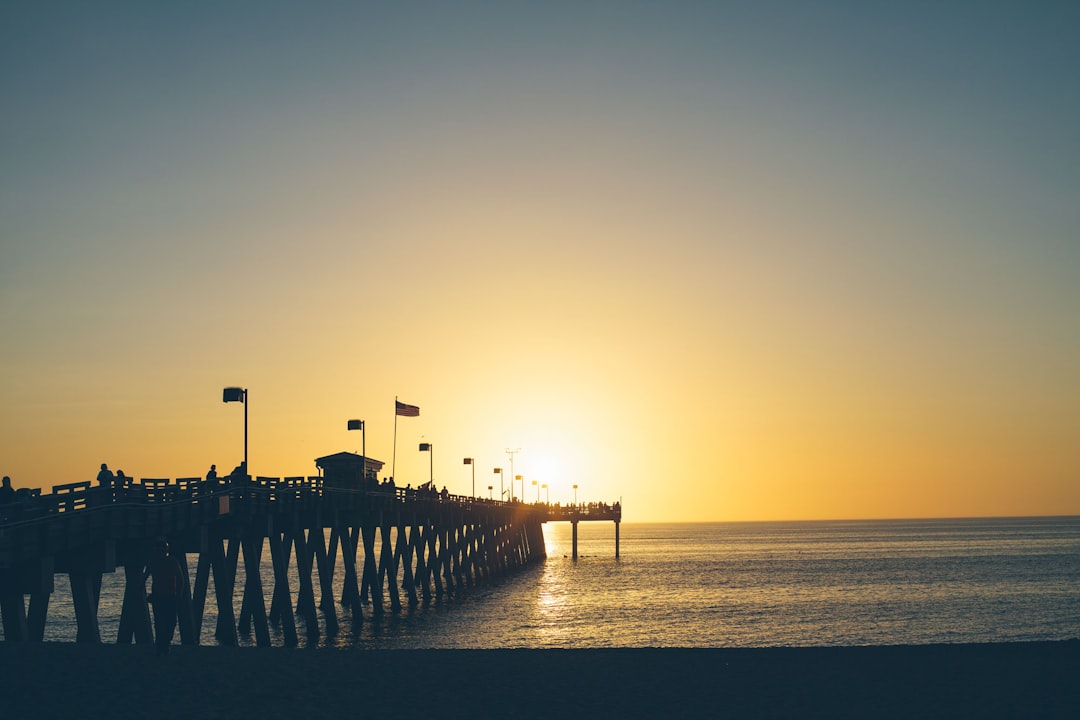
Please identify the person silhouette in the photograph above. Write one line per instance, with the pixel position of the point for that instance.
(120, 483)
(7, 493)
(105, 480)
(105, 477)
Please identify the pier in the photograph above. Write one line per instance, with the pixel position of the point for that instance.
(394, 546)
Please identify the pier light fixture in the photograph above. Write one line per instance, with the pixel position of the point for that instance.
(426, 447)
(490, 495)
(501, 491)
(547, 494)
(240, 395)
(472, 465)
(537, 486)
(521, 479)
(575, 494)
(511, 454)
(359, 425)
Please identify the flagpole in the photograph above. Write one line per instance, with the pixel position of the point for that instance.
(393, 466)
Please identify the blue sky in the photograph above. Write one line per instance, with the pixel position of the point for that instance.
(793, 254)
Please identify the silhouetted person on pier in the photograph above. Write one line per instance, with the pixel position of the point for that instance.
(105, 477)
(7, 497)
(167, 578)
(239, 473)
(105, 480)
(7, 493)
(211, 475)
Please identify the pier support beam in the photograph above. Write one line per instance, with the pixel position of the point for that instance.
(13, 609)
(305, 594)
(325, 563)
(388, 571)
(282, 593)
(198, 595)
(404, 552)
(253, 606)
(350, 591)
(185, 615)
(39, 610)
(370, 582)
(33, 578)
(420, 544)
(224, 566)
(85, 589)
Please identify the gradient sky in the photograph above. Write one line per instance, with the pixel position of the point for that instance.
(725, 261)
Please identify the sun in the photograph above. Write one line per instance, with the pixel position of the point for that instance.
(543, 467)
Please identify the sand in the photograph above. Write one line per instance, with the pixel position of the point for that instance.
(1013, 680)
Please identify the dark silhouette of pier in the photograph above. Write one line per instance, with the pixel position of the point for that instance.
(429, 547)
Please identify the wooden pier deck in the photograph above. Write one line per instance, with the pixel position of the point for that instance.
(429, 545)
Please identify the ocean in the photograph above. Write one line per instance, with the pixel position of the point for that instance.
(846, 583)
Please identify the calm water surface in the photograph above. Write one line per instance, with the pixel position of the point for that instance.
(733, 584)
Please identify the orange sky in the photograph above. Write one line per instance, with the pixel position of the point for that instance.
(722, 264)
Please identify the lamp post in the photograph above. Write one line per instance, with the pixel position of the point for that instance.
(359, 425)
(490, 488)
(575, 494)
(522, 479)
(547, 494)
(240, 395)
(537, 491)
(501, 491)
(512, 453)
(426, 447)
(469, 462)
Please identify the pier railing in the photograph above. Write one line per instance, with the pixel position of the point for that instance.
(258, 490)
(77, 513)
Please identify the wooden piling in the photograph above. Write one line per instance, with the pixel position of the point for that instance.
(305, 601)
(84, 599)
(253, 604)
(350, 592)
(371, 586)
(388, 567)
(39, 611)
(13, 609)
(224, 569)
(281, 586)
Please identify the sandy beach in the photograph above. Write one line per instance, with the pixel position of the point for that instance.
(1015, 680)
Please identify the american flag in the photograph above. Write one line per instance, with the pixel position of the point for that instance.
(406, 410)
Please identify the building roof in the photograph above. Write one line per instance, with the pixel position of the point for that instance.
(348, 459)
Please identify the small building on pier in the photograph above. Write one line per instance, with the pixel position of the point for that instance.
(346, 470)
